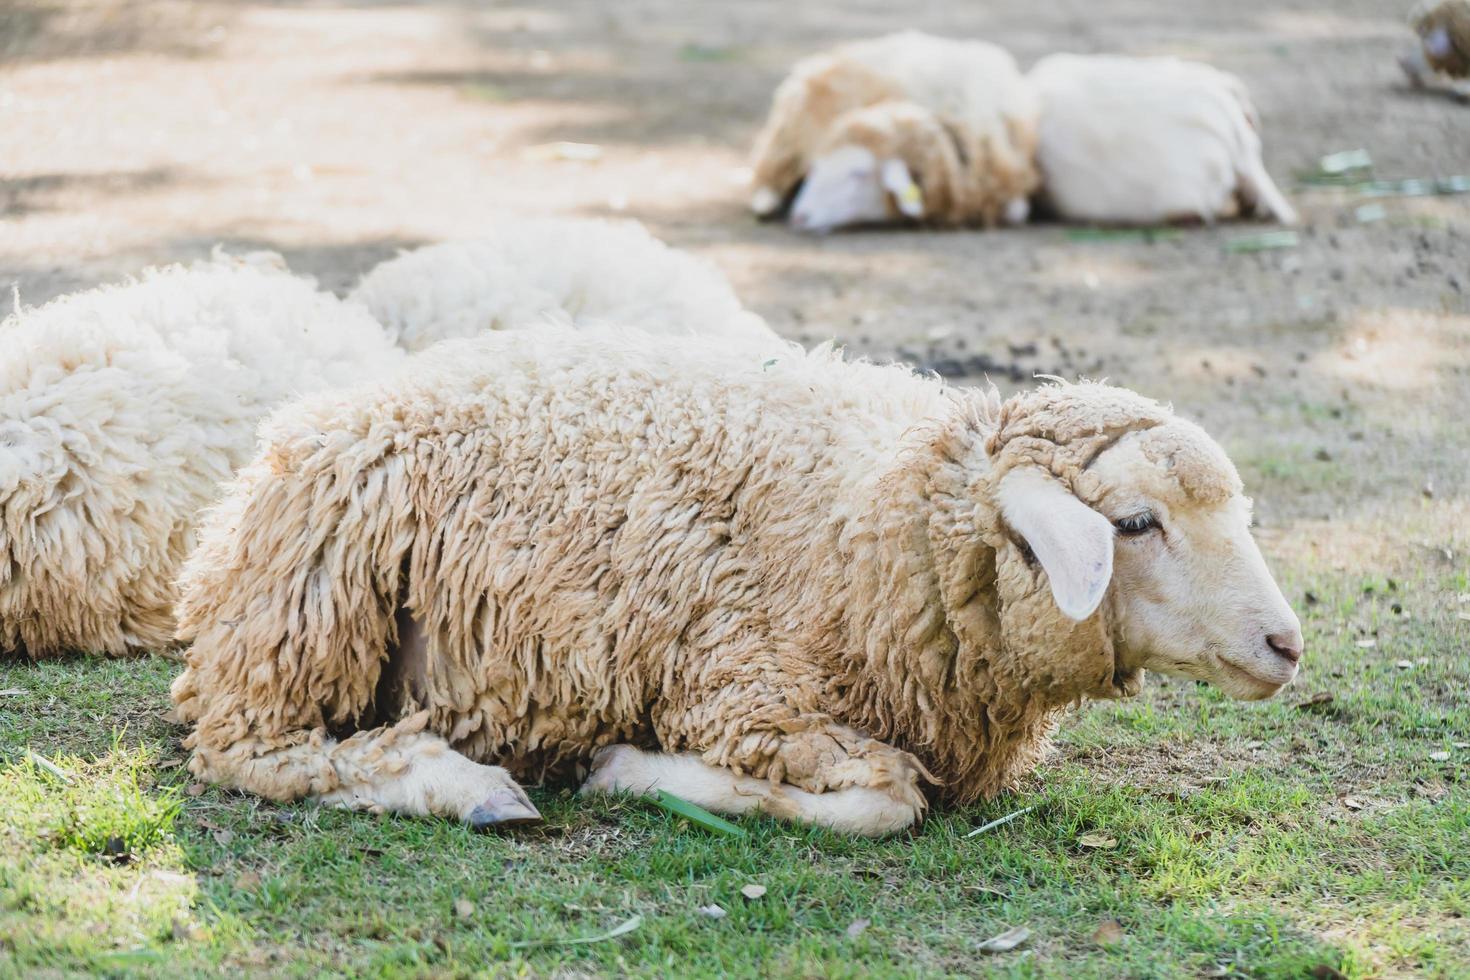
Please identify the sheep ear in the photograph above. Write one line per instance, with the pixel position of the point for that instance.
(1073, 542)
(900, 183)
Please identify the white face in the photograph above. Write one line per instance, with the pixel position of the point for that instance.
(850, 186)
(1192, 594)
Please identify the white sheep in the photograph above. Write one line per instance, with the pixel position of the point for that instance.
(1149, 140)
(123, 408)
(902, 127)
(819, 585)
(580, 270)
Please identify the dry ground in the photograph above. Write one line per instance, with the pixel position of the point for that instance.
(1336, 372)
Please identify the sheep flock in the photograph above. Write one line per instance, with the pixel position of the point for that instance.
(552, 505)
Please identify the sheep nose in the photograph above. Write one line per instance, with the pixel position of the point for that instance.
(1287, 644)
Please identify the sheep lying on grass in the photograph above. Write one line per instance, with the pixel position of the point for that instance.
(123, 408)
(584, 271)
(902, 127)
(1149, 140)
(821, 585)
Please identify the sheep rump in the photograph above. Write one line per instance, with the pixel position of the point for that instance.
(768, 565)
(1149, 140)
(958, 113)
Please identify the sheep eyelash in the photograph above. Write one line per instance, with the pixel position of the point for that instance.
(1136, 524)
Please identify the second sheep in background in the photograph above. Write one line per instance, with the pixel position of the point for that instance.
(906, 127)
(1150, 140)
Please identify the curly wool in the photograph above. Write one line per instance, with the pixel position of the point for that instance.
(123, 408)
(969, 176)
(959, 114)
(121, 411)
(576, 271)
(609, 538)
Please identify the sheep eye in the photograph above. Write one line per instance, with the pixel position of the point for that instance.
(1136, 524)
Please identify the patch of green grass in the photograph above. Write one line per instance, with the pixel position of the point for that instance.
(111, 814)
(1265, 839)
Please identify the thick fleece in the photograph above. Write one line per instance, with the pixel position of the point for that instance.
(123, 408)
(121, 411)
(608, 538)
(958, 113)
(577, 271)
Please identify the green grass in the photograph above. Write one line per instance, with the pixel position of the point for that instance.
(1266, 840)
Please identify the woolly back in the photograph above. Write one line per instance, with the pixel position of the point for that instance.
(529, 273)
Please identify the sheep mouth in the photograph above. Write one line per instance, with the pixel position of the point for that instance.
(1259, 687)
(1127, 681)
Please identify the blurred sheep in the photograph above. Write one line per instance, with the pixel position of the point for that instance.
(1150, 140)
(906, 127)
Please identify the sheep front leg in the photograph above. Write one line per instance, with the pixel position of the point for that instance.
(398, 769)
(856, 810)
(750, 724)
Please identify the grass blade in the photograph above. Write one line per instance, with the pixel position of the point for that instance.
(1121, 234)
(621, 929)
(41, 762)
(696, 814)
(1263, 242)
(1000, 822)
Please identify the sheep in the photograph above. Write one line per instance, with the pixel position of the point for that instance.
(121, 410)
(1441, 56)
(581, 270)
(124, 408)
(1149, 140)
(906, 126)
(799, 585)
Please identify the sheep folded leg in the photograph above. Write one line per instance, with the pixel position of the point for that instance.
(856, 810)
(397, 769)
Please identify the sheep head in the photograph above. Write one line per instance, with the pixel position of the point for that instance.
(1135, 524)
(868, 169)
(898, 161)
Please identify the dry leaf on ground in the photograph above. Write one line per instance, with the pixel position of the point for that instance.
(1098, 842)
(1006, 941)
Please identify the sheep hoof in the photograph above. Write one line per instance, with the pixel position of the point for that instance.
(508, 807)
